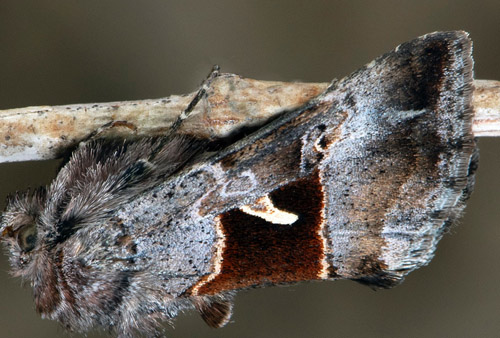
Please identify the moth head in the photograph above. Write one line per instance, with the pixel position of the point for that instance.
(20, 230)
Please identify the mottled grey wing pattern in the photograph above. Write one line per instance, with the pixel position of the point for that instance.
(404, 160)
(360, 183)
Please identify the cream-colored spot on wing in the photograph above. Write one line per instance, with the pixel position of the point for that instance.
(265, 209)
(323, 273)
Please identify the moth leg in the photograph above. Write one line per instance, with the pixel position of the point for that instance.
(113, 129)
(108, 128)
(205, 85)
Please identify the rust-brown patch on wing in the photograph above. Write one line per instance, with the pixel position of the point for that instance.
(257, 252)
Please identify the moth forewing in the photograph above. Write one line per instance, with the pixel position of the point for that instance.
(359, 183)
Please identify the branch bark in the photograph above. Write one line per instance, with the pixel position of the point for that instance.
(232, 102)
(486, 103)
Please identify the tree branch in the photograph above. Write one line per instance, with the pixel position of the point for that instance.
(231, 102)
(486, 103)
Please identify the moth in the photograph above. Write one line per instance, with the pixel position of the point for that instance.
(360, 183)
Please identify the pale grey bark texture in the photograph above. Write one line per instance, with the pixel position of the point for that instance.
(231, 102)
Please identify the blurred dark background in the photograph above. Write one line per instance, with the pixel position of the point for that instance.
(67, 51)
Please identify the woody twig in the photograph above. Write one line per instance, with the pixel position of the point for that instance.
(486, 103)
(231, 102)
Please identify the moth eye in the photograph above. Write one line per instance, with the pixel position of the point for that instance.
(26, 237)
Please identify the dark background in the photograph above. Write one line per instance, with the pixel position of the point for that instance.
(66, 51)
